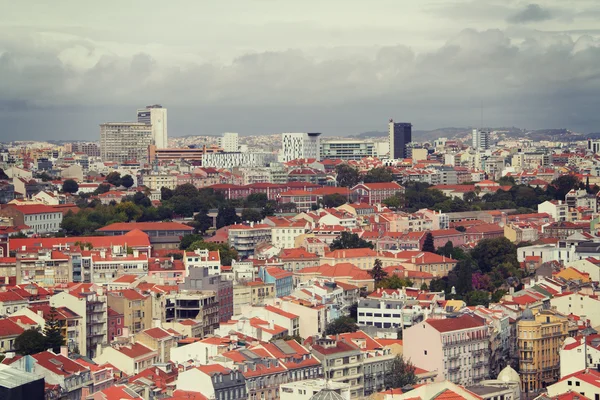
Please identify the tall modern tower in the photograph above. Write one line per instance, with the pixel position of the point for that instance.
(300, 145)
(229, 142)
(156, 116)
(481, 139)
(400, 134)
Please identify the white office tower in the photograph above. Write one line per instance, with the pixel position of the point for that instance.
(481, 139)
(155, 115)
(299, 145)
(229, 142)
(125, 141)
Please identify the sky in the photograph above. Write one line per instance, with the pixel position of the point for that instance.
(339, 67)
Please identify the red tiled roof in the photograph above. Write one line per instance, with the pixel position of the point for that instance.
(135, 350)
(118, 392)
(279, 311)
(186, 395)
(58, 364)
(9, 328)
(35, 209)
(455, 324)
(146, 226)
(129, 294)
(157, 333)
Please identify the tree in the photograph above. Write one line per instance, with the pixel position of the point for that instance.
(438, 285)
(392, 202)
(377, 273)
(428, 244)
(395, 282)
(30, 342)
(127, 181)
(186, 190)
(52, 331)
(140, 199)
(188, 240)
(478, 298)
(334, 200)
(562, 185)
(507, 181)
(227, 216)
(182, 205)
(202, 222)
(249, 214)
(339, 325)
(347, 176)
(349, 240)
(70, 186)
(380, 174)
(114, 178)
(424, 286)
(490, 253)
(3, 175)
(257, 200)
(401, 373)
(165, 193)
(470, 197)
(130, 210)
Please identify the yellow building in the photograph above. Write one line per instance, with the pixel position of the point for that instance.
(135, 307)
(573, 274)
(539, 339)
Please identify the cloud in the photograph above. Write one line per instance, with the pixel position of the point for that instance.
(69, 85)
(531, 13)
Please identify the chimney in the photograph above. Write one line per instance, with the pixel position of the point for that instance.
(40, 313)
(64, 351)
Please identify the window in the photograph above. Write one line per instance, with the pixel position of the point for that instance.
(577, 383)
(425, 352)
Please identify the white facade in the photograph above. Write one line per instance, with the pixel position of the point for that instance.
(156, 116)
(586, 307)
(481, 139)
(44, 222)
(229, 142)
(304, 390)
(284, 237)
(299, 145)
(232, 160)
(123, 141)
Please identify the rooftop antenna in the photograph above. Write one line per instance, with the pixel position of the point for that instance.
(481, 124)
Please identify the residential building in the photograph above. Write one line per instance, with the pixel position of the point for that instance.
(196, 305)
(283, 280)
(245, 238)
(201, 279)
(457, 347)
(44, 267)
(342, 362)
(229, 142)
(124, 141)
(540, 334)
(160, 340)
(253, 293)
(375, 193)
(215, 381)
(236, 159)
(202, 258)
(17, 384)
(581, 383)
(299, 145)
(307, 389)
(400, 135)
(135, 307)
(346, 149)
(128, 358)
(155, 116)
(115, 324)
(39, 218)
(481, 139)
(557, 209)
(89, 303)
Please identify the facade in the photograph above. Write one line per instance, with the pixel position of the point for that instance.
(44, 267)
(201, 278)
(155, 116)
(375, 193)
(457, 347)
(346, 149)
(244, 238)
(214, 381)
(481, 139)
(299, 145)
(342, 363)
(39, 218)
(229, 142)
(135, 307)
(124, 141)
(283, 280)
(539, 339)
(196, 305)
(237, 159)
(400, 135)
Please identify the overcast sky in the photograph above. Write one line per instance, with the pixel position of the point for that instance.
(268, 66)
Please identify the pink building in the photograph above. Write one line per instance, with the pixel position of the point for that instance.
(443, 236)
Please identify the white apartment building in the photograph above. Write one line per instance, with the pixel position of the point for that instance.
(284, 237)
(202, 258)
(457, 347)
(557, 209)
(481, 139)
(229, 142)
(123, 141)
(347, 149)
(158, 181)
(299, 145)
(232, 160)
(156, 117)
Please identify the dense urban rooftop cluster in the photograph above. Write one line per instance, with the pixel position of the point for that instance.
(311, 269)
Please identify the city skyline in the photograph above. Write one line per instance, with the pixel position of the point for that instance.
(274, 67)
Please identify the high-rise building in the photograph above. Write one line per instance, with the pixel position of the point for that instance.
(347, 149)
(540, 335)
(481, 139)
(400, 134)
(299, 145)
(123, 141)
(229, 142)
(156, 116)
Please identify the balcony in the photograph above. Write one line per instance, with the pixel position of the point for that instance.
(479, 364)
(527, 360)
(553, 334)
(454, 369)
(479, 352)
(97, 333)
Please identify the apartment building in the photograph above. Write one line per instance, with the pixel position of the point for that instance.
(39, 218)
(540, 334)
(201, 258)
(135, 307)
(196, 305)
(342, 363)
(253, 293)
(456, 347)
(244, 238)
(43, 266)
(91, 304)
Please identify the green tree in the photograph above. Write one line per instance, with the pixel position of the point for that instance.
(349, 240)
(438, 285)
(347, 176)
(379, 174)
(507, 181)
(202, 222)
(114, 178)
(140, 199)
(490, 253)
(562, 185)
(182, 205)
(249, 214)
(339, 325)
(165, 193)
(30, 342)
(392, 202)
(70, 186)
(470, 197)
(130, 210)
(377, 272)
(428, 244)
(497, 295)
(478, 298)
(188, 240)
(424, 286)
(102, 188)
(3, 175)
(127, 181)
(186, 190)
(334, 200)
(227, 253)
(257, 200)
(395, 282)
(401, 373)
(54, 339)
(227, 216)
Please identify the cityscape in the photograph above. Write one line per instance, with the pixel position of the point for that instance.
(301, 224)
